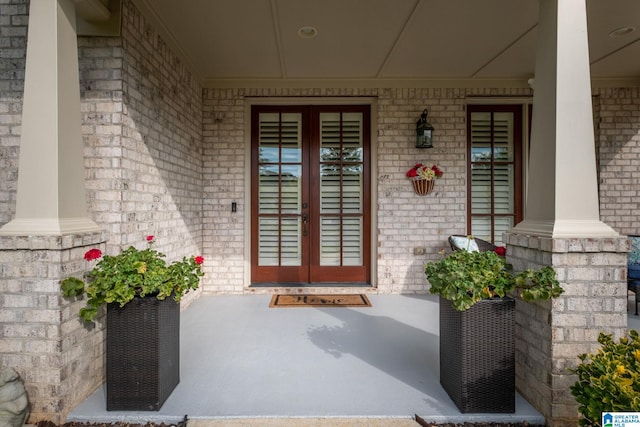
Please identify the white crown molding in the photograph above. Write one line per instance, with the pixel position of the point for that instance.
(460, 83)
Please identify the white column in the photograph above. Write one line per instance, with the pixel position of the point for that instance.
(562, 196)
(51, 189)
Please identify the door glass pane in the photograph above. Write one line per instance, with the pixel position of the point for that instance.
(291, 138)
(330, 241)
(352, 241)
(268, 251)
(503, 189)
(330, 187)
(330, 150)
(481, 137)
(503, 137)
(269, 135)
(269, 189)
(290, 244)
(481, 227)
(352, 137)
(480, 188)
(352, 189)
(341, 188)
(291, 188)
(280, 189)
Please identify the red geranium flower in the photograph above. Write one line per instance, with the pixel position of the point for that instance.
(92, 254)
(422, 171)
(501, 250)
(149, 239)
(199, 260)
(413, 172)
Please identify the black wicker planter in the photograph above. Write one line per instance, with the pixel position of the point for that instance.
(143, 353)
(477, 355)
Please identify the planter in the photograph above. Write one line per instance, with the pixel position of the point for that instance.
(477, 355)
(143, 353)
(423, 187)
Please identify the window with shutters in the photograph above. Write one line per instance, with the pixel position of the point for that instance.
(494, 155)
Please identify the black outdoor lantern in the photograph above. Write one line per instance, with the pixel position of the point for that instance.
(424, 132)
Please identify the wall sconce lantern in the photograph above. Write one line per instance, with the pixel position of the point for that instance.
(424, 132)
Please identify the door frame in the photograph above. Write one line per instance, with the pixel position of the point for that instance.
(250, 102)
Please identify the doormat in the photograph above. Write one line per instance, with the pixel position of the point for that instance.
(348, 300)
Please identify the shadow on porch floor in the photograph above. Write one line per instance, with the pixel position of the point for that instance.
(241, 359)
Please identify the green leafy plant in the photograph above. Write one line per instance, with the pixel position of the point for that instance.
(466, 277)
(609, 380)
(133, 272)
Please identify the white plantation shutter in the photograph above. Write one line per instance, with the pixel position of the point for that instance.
(279, 189)
(341, 189)
(492, 196)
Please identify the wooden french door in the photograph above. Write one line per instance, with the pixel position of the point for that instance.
(310, 191)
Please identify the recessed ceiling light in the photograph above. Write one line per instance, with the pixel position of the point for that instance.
(622, 31)
(307, 32)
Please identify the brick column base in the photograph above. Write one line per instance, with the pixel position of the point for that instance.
(551, 334)
(58, 356)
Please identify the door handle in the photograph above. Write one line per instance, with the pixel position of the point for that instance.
(305, 220)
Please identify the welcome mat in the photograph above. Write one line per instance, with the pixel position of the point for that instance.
(347, 300)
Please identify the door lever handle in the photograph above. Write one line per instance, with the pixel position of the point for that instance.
(305, 220)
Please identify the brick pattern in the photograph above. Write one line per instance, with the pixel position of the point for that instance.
(405, 220)
(551, 334)
(142, 124)
(619, 155)
(58, 357)
(166, 157)
(13, 32)
(143, 128)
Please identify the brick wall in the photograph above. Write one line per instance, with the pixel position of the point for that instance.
(59, 358)
(405, 220)
(550, 334)
(13, 32)
(142, 126)
(142, 117)
(166, 158)
(619, 144)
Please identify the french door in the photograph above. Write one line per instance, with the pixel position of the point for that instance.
(310, 191)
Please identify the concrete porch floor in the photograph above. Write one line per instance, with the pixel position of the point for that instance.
(243, 361)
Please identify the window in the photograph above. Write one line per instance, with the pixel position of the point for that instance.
(494, 153)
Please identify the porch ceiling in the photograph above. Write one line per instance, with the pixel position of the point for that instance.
(231, 40)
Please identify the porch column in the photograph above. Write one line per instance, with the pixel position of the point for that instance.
(50, 197)
(562, 196)
(562, 226)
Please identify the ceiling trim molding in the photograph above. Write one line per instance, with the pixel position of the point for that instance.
(152, 17)
(365, 83)
(615, 82)
(477, 83)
